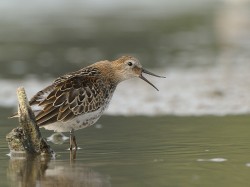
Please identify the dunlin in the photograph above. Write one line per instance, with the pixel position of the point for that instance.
(78, 99)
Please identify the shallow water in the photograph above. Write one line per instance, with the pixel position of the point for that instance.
(141, 151)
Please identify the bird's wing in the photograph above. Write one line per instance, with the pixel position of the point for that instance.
(69, 96)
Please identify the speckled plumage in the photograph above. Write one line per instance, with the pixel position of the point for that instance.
(78, 99)
(78, 93)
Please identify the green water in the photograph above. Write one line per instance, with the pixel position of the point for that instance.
(141, 151)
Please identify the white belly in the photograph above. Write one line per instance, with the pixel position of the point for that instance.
(79, 122)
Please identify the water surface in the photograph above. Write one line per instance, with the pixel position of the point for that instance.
(142, 151)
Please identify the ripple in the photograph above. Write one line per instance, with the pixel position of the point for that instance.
(212, 160)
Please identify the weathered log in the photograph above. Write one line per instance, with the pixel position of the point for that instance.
(27, 137)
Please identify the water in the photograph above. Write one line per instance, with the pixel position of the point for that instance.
(141, 151)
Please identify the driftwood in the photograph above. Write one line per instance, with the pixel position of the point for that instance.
(27, 137)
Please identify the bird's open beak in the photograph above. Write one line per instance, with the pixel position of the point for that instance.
(149, 73)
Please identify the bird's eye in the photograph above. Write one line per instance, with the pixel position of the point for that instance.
(130, 63)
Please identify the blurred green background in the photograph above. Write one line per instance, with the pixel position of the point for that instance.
(50, 38)
(205, 42)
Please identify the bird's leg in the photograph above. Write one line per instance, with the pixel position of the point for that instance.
(72, 140)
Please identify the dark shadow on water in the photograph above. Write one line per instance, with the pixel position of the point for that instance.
(37, 171)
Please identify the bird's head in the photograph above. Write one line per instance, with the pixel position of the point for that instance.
(128, 67)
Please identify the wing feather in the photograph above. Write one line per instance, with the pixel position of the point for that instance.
(62, 115)
(71, 95)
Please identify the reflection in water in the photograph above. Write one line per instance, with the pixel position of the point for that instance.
(37, 171)
(26, 171)
(144, 151)
(57, 138)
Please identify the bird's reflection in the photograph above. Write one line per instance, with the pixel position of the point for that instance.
(57, 138)
(38, 171)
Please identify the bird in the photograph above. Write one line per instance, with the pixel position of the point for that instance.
(77, 99)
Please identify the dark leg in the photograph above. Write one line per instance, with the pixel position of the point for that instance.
(72, 140)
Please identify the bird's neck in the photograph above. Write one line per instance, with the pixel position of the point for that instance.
(108, 73)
